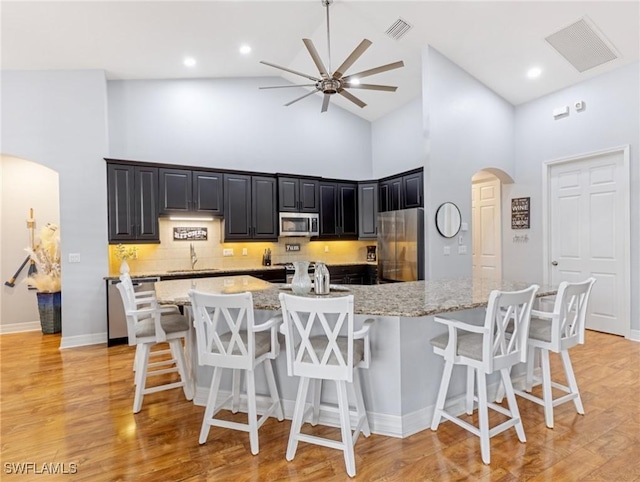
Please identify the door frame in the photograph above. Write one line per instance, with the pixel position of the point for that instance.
(625, 216)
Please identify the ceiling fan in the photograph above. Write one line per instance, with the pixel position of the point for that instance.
(329, 83)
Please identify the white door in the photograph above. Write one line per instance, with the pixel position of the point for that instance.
(486, 242)
(588, 215)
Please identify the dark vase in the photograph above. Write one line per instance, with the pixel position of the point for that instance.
(50, 308)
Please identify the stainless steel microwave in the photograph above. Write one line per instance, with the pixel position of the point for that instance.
(299, 224)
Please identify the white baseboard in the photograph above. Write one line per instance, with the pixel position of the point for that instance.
(83, 340)
(20, 327)
(634, 335)
(65, 342)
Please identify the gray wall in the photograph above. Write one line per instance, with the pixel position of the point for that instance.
(230, 123)
(59, 119)
(611, 119)
(469, 128)
(398, 141)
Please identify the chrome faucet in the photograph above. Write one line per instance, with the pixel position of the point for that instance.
(194, 257)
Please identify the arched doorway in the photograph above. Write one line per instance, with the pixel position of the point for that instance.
(24, 185)
(486, 222)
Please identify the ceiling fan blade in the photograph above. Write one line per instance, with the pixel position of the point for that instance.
(316, 58)
(349, 61)
(300, 98)
(291, 71)
(287, 86)
(386, 88)
(352, 98)
(325, 102)
(377, 70)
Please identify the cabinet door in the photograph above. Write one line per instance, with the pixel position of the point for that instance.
(367, 210)
(175, 191)
(288, 199)
(328, 209)
(121, 206)
(309, 196)
(383, 196)
(146, 204)
(264, 207)
(412, 190)
(207, 192)
(237, 206)
(348, 209)
(395, 194)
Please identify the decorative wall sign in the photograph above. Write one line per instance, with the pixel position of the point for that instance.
(520, 212)
(292, 247)
(190, 234)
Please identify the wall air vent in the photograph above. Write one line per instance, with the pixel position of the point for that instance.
(583, 45)
(398, 29)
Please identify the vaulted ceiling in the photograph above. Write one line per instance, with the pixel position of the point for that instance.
(496, 42)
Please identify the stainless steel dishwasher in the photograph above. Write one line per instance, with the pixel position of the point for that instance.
(116, 319)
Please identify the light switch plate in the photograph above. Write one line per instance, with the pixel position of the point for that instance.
(245, 251)
(462, 249)
(447, 250)
(74, 257)
(227, 252)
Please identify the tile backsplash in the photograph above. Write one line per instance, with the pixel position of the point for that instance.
(175, 255)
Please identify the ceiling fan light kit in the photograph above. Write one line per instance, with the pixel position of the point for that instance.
(328, 83)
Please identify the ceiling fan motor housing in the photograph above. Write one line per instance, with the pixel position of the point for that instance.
(329, 86)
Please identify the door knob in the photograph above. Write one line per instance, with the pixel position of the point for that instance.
(554, 263)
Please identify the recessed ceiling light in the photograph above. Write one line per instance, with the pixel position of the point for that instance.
(245, 49)
(189, 61)
(534, 72)
(354, 81)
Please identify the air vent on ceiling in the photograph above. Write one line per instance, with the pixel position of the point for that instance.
(398, 29)
(583, 45)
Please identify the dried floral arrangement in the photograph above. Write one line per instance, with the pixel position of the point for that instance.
(46, 255)
(124, 253)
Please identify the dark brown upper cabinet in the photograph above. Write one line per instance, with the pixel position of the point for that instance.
(403, 191)
(368, 210)
(250, 207)
(132, 203)
(338, 210)
(298, 195)
(187, 191)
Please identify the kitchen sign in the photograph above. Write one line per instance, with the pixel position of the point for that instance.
(520, 212)
(190, 234)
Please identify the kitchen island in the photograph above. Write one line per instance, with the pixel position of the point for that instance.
(401, 385)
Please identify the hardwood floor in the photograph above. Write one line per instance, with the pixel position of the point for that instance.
(73, 406)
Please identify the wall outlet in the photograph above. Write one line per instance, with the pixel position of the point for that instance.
(462, 250)
(245, 251)
(74, 257)
(227, 252)
(326, 249)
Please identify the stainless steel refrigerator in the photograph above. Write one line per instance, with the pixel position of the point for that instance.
(401, 245)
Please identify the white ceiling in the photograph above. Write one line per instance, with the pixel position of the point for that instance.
(496, 42)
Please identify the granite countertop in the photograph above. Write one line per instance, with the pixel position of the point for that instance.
(410, 299)
(219, 271)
